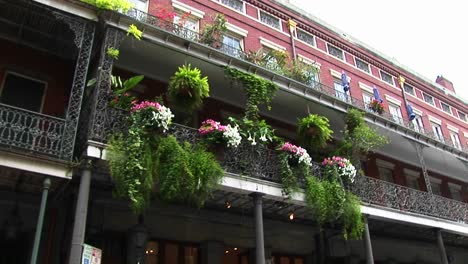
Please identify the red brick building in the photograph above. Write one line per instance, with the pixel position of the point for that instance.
(54, 130)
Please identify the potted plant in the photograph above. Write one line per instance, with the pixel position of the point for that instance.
(376, 106)
(314, 130)
(339, 168)
(213, 34)
(217, 133)
(188, 88)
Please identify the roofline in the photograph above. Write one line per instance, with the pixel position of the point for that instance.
(347, 38)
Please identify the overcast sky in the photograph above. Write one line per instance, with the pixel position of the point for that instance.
(430, 37)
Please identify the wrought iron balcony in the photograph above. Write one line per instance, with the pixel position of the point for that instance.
(237, 53)
(31, 131)
(261, 162)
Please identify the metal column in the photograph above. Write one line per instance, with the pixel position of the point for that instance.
(40, 220)
(368, 243)
(440, 242)
(81, 212)
(259, 240)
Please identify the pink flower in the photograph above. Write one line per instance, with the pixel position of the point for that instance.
(145, 104)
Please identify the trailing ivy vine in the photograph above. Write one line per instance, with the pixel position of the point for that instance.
(258, 91)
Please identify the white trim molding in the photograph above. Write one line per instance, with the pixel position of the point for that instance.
(366, 87)
(393, 100)
(411, 173)
(186, 8)
(417, 111)
(270, 44)
(465, 134)
(237, 30)
(452, 128)
(334, 73)
(454, 186)
(435, 120)
(435, 180)
(308, 61)
(35, 165)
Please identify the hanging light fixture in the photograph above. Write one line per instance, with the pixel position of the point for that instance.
(291, 216)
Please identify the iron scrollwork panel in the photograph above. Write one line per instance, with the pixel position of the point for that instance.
(31, 131)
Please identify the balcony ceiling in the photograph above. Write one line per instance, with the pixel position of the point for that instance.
(159, 62)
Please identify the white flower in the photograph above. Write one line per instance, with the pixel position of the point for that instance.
(263, 138)
(162, 117)
(232, 136)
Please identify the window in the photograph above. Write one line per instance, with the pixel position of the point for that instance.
(140, 5)
(168, 253)
(386, 77)
(435, 185)
(367, 98)
(418, 125)
(386, 174)
(437, 130)
(428, 99)
(462, 116)
(455, 140)
(409, 89)
(306, 37)
(455, 191)
(234, 4)
(339, 90)
(188, 27)
(446, 107)
(412, 178)
(362, 65)
(395, 111)
(335, 52)
(270, 20)
(16, 86)
(232, 45)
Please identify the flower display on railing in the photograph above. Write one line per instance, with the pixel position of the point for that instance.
(376, 106)
(340, 167)
(298, 153)
(216, 132)
(154, 114)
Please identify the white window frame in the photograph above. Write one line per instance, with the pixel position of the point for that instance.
(385, 165)
(342, 52)
(464, 114)
(368, 65)
(449, 107)
(437, 130)
(306, 43)
(311, 62)
(418, 124)
(454, 136)
(227, 6)
(393, 79)
(279, 20)
(437, 181)
(188, 9)
(412, 88)
(46, 84)
(146, 2)
(424, 99)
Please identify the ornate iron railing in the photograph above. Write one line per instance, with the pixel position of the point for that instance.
(261, 162)
(236, 52)
(382, 193)
(31, 131)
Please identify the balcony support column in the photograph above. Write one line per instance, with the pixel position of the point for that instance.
(81, 213)
(419, 151)
(84, 38)
(440, 243)
(40, 220)
(259, 239)
(368, 243)
(97, 129)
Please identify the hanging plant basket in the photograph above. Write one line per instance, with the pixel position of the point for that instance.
(314, 130)
(187, 88)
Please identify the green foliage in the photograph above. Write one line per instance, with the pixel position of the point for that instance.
(212, 34)
(289, 174)
(353, 224)
(271, 59)
(131, 164)
(122, 98)
(354, 118)
(314, 131)
(359, 138)
(301, 71)
(113, 53)
(331, 202)
(259, 91)
(113, 5)
(143, 161)
(134, 31)
(188, 88)
(255, 131)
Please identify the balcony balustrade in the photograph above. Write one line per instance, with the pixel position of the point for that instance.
(236, 52)
(31, 131)
(261, 162)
